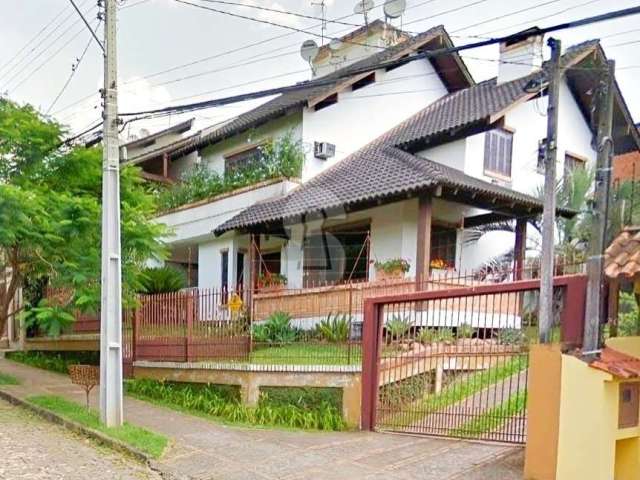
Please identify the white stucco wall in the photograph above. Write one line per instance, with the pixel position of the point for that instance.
(361, 116)
(213, 156)
(529, 122)
(197, 223)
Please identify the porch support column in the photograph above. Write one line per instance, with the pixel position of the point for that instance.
(254, 259)
(165, 165)
(423, 251)
(519, 248)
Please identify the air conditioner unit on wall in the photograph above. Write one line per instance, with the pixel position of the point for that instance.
(324, 150)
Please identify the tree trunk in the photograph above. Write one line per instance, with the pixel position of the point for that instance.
(9, 289)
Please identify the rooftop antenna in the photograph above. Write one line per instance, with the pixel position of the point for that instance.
(362, 8)
(323, 14)
(335, 46)
(393, 9)
(308, 51)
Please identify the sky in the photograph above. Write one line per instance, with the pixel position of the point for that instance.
(171, 53)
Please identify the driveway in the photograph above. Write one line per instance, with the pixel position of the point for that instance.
(203, 449)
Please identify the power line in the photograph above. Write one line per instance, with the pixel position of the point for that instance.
(84, 20)
(501, 17)
(43, 51)
(274, 24)
(48, 59)
(74, 69)
(446, 12)
(388, 64)
(26, 45)
(284, 12)
(544, 17)
(42, 40)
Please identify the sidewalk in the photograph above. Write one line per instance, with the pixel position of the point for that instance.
(204, 449)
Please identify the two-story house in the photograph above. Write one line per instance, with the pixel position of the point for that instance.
(398, 163)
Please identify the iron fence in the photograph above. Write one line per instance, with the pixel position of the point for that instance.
(455, 362)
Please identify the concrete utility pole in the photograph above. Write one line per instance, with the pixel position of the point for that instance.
(111, 305)
(549, 212)
(604, 109)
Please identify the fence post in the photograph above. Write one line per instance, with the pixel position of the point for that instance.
(134, 333)
(371, 333)
(190, 313)
(572, 319)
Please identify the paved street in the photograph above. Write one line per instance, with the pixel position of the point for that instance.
(206, 450)
(34, 449)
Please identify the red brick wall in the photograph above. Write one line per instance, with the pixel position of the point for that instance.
(626, 167)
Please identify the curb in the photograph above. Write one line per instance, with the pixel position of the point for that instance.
(75, 427)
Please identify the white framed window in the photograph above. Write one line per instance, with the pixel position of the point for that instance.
(498, 148)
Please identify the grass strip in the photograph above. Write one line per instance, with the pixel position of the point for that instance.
(6, 379)
(463, 388)
(208, 403)
(456, 391)
(492, 419)
(144, 440)
(307, 354)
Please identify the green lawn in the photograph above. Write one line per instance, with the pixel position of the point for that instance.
(458, 390)
(6, 379)
(307, 354)
(494, 418)
(140, 438)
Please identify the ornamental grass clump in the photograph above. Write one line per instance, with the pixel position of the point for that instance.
(207, 400)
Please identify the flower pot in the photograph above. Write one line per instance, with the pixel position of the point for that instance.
(386, 275)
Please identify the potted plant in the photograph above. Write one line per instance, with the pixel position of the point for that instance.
(394, 268)
(440, 267)
(271, 281)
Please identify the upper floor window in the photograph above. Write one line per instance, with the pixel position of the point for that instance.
(498, 146)
(363, 82)
(572, 163)
(243, 159)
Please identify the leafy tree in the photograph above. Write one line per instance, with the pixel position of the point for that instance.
(50, 212)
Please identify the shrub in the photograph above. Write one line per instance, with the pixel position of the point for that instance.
(282, 157)
(335, 328)
(444, 335)
(465, 330)
(511, 336)
(393, 265)
(398, 327)
(628, 316)
(276, 329)
(406, 391)
(426, 336)
(303, 397)
(54, 361)
(50, 319)
(162, 280)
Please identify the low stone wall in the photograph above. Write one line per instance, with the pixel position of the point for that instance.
(251, 377)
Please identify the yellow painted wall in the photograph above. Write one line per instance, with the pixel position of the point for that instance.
(627, 459)
(588, 422)
(543, 412)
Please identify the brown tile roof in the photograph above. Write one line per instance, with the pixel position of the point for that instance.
(622, 257)
(383, 169)
(376, 172)
(617, 363)
(288, 102)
